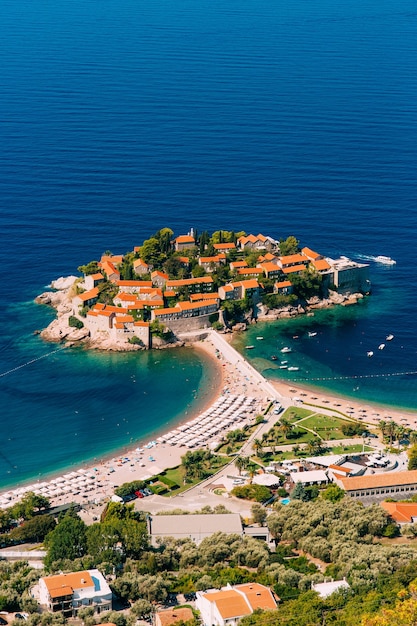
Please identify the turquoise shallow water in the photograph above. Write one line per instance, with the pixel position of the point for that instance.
(120, 117)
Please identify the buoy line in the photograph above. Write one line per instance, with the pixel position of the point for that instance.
(44, 356)
(357, 377)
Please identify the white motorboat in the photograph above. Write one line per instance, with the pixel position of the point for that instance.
(293, 368)
(385, 260)
(286, 349)
(259, 338)
(370, 353)
(381, 346)
(312, 334)
(389, 337)
(249, 347)
(283, 367)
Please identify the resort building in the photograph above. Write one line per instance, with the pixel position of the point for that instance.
(92, 280)
(401, 512)
(134, 286)
(240, 290)
(68, 593)
(194, 285)
(140, 267)
(293, 260)
(159, 279)
(211, 263)
(237, 265)
(111, 273)
(349, 276)
(257, 242)
(184, 310)
(87, 298)
(313, 477)
(231, 603)
(194, 527)
(270, 269)
(184, 242)
(250, 272)
(224, 247)
(283, 287)
(396, 485)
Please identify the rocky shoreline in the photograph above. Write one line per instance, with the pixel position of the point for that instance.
(59, 330)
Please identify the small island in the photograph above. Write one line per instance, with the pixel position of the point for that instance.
(169, 289)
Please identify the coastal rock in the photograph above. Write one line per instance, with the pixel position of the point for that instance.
(63, 283)
(57, 330)
(240, 327)
(78, 334)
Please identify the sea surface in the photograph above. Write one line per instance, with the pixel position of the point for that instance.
(119, 118)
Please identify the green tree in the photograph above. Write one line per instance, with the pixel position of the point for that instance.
(34, 529)
(259, 514)
(91, 268)
(288, 246)
(241, 463)
(29, 505)
(412, 457)
(67, 541)
(333, 493)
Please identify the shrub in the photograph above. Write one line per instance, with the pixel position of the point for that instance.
(74, 322)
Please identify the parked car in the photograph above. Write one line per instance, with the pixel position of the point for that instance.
(3, 621)
(139, 494)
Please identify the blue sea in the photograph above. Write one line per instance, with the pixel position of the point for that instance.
(119, 118)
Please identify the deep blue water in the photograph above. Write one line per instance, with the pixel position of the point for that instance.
(118, 118)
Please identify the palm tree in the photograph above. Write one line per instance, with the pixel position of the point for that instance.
(241, 463)
(257, 446)
(285, 427)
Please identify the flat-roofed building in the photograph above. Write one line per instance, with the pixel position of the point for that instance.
(396, 485)
(313, 477)
(194, 527)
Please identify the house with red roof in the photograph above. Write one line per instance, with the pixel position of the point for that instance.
(230, 604)
(184, 242)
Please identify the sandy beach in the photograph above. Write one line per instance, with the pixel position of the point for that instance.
(236, 383)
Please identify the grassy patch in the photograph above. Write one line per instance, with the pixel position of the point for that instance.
(295, 413)
(177, 474)
(326, 426)
(285, 455)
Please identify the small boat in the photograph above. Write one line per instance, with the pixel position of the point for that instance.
(274, 357)
(259, 338)
(249, 347)
(370, 353)
(286, 349)
(284, 362)
(381, 346)
(385, 260)
(283, 367)
(312, 334)
(293, 368)
(295, 336)
(389, 337)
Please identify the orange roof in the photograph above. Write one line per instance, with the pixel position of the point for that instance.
(140, 262)
(141, 304)
(249, 270)
(321, 264)
(108, 268)
(169, 294)
(156, 273)
(229, 603)
(97, 276)
(64, 584)
(373, 481)
(167, 311)
(194, 297)
(124, 319)
(252, 239)
(270, 267)
(189, 281)
(339, 468)
(188, 306)
(210, 259)
(238, 264)
(401, 512)
(141, 324)
(292, 258)
(228, 288)
(185, 239)
(114, 258)
(88, 295)
(176, 615)
(134, 283)
(308, 252)
(109, 308)
(126, 296)
(224, 246)
(294, 268)
(267, 257)
(259, 597)
(283, 283)
(183, 259)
